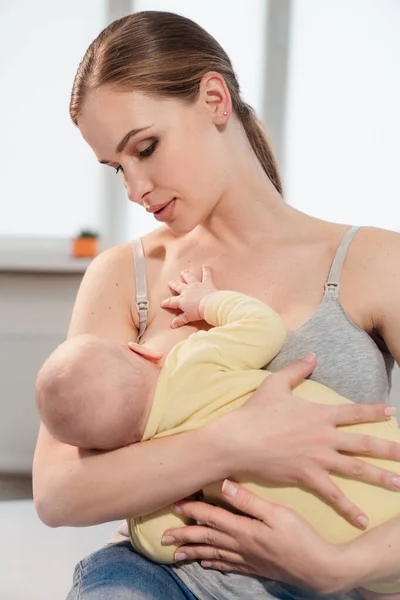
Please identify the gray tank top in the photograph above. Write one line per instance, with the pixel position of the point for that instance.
(350, 361)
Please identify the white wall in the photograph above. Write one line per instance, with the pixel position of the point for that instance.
(35, 310)
(50, 182)
(343, 122)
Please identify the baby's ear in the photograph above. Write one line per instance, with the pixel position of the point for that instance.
(145, 351)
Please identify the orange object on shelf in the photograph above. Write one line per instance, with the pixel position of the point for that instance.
(85, 247)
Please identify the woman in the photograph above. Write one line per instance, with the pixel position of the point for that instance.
(157, 100)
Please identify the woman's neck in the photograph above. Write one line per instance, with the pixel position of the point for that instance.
(251, 210)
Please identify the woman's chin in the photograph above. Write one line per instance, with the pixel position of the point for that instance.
(180, 226)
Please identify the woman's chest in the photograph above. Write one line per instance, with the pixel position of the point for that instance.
(283, 282)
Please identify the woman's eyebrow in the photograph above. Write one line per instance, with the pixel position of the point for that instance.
(125, 140)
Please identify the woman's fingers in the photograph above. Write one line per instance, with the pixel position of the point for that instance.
(367, 445)
(294, 373)
(265, 511)
(221, 565)
(200, 535)
(209, 553)
(318, 480)
(248, 502)
(210, 515)
(348, 414)
(365, 471)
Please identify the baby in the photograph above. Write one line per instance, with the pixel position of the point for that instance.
(97, 394)
(102, 395)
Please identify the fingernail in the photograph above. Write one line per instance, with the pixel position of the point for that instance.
(167, 539)
(206, 563)
(180, 556)
(229, 488)
(363, 521)
(396, 482)
(390, 411)
(176, 508)
(309, 357)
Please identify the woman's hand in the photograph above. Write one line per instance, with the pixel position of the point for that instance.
(190, 296)
(277, 543)
(283, 439)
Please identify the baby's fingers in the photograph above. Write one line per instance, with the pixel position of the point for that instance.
(173, 302)
(188, 277)
(179, 321)
(177, 286)
(206, 274)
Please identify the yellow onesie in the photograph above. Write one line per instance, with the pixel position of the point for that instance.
(215, 371)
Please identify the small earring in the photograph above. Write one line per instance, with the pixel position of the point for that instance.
(225, 113)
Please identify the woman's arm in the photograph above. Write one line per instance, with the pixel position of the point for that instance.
(76, 488)
(375, 556)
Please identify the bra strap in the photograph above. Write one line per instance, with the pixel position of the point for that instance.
(337, 264)
(142, 301)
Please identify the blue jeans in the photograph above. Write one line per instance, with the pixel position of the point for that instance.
(117, 572)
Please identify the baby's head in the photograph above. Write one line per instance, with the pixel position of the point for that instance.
(96, 394)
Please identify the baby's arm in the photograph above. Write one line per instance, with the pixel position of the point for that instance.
(247, 333)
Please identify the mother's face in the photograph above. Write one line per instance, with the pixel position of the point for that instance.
(168, 152)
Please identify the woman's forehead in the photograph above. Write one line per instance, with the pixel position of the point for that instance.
(107, 115)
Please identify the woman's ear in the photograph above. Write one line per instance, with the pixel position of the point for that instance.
(215, 95)
(145, 351)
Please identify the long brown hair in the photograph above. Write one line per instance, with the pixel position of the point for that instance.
(164, 54)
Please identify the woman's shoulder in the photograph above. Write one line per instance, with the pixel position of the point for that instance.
(377, 251)
(113, 262)
(119, 258)
(375, 265)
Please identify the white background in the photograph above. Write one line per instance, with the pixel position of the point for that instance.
(342, 140)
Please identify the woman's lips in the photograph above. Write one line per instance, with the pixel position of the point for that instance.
(166, 212)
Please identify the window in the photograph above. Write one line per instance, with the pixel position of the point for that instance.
(343, 119)
(50, 183)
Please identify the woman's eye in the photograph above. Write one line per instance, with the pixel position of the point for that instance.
(148, 151)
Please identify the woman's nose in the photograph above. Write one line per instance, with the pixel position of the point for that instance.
(137, 189)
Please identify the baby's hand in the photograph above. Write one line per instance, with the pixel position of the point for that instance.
(190, 293)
